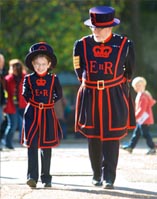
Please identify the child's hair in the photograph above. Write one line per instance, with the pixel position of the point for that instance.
(137, 80)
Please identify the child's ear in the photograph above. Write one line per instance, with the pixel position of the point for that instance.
(33, 63)
(49, 64)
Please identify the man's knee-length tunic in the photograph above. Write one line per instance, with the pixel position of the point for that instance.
(104, 107)
(40, 126)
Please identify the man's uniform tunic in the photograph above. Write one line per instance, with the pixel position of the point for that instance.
(41, 92)
(104, 107)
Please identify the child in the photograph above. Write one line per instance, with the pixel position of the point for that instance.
(41, 128)
(143, 114)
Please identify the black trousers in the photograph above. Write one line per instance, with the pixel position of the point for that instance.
(33, 165)
(104, 158)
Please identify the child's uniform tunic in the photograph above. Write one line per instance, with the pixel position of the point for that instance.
(41, 92)
(104, 107)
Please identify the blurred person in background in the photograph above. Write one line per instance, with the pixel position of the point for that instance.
(15, 103)
(2, 95)
(144, 116)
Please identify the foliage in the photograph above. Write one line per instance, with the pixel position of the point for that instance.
(60, 23)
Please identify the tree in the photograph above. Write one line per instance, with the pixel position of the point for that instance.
(60, 23)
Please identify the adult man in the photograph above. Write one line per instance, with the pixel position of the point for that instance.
(103, 62)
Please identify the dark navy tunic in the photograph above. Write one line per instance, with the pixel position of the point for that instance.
(40, 126)
(104, 107)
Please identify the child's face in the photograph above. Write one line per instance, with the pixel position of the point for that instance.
(139, 87)
(41, 65)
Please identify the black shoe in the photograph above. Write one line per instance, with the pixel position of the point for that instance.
(97, 182)
(31, 183)
(47, 184)
(109, 185)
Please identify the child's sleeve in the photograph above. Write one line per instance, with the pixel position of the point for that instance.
(57, 91)
(26, 90)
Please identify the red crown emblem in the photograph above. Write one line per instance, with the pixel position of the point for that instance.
(102, 51)
(40, 82)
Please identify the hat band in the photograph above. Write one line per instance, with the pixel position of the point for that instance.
(103, 23)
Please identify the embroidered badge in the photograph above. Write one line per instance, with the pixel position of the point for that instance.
(40, 82)
(76, 62)
(102, 51)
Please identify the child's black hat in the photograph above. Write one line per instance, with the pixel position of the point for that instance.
(40, 48)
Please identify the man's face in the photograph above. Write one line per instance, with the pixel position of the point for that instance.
(101, 34)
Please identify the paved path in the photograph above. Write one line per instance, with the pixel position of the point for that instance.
(136, 175)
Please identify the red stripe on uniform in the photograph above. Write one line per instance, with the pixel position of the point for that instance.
(119, 55)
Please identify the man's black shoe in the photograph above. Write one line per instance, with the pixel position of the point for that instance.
(109, 185)
(47, 184)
